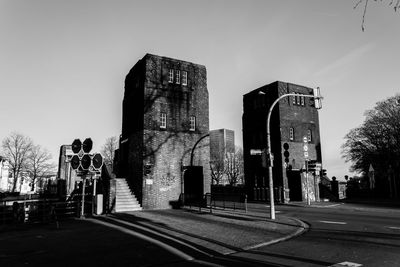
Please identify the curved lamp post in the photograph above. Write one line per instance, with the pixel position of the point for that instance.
(269, 155)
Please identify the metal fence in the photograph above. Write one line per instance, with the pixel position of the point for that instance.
(226, 201)
(38, 210)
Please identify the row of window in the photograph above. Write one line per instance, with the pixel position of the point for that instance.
(163, 122)
(292, 135)
(298, 100)
(176, 77)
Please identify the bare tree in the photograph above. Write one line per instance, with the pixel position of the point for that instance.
(108, 151)
(38, 164)
(217, 166)
(394, 3)
(16, 148)
(234, 166)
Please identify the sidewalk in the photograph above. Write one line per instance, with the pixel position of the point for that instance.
(224, 231)
(144, 237)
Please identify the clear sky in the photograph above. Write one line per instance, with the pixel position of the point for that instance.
(63, 63)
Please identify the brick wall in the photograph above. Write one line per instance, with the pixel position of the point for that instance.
(166, 150)
(300, 116)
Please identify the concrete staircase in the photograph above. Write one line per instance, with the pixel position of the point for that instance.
(125, 199)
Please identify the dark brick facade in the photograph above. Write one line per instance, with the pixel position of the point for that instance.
(290, 113)
(156, 128)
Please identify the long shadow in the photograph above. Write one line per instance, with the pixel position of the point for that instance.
(356, 236)
(289, 257)
(152, 229)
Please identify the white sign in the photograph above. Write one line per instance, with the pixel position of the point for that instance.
(305, 148)
(255, 152)
(305, 139)
(149, 181)
(305, 154)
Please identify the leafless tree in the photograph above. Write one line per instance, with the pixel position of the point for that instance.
(217, 166)
(234, 166)
(16, 148)
(394, 3)
(38, 164)
(108, 151)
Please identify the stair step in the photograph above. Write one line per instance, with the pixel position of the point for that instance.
(125, 199)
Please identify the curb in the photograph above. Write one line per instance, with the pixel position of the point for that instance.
(302, 229)
(314, 206)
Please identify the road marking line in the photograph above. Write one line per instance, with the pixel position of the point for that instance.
(331, 222)
(393, 227)
(347, 264)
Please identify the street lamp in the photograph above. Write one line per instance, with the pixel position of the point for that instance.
(269, 152)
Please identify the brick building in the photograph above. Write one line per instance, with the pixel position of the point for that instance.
(292, 119)
(165, 112)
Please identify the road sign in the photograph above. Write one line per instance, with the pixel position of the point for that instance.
(306, 154)
(305, 139)
(255, 152)
(305, 148)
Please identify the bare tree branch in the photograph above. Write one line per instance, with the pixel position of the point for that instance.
(108, 151)
(16, 148)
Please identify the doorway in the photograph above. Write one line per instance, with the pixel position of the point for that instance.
(294, 183)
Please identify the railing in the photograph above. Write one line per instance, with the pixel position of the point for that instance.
(262, 194)
(34, 211)
(226, 201)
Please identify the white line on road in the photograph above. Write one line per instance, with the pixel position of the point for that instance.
(393, 227)
(347, 264)
(331, 222)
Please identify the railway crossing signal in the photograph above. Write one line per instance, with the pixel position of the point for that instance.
(82, 160)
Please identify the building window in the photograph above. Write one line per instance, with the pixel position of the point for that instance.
(192, 123)
(184, 77)
(291, 134)
(177, 76)
(163, 120)
(309, 135)
(298, 100)
(171, 76)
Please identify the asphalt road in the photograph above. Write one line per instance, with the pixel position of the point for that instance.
(346, 234)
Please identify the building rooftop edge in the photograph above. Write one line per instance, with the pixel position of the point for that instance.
(277, 82)
(173, 59)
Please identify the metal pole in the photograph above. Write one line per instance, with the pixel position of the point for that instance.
(94, 195)
(271, 181)
(307, 185)
(83, 197)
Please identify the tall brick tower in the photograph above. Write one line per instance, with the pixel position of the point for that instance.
(165, 112)
(292, 119)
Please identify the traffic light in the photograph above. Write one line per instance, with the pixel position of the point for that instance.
(286, 153)
(311, 165)
(86, 162)
(316, 101)
(323, 173)
(147, 169)
(87, 145)
(97, 161)
(75, 162)
(76, 146)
